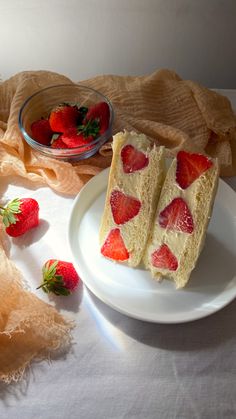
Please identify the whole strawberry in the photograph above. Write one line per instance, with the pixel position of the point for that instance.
(41, 131)
(59, 277)
(63, 117)
(20, 215)
(99, 113)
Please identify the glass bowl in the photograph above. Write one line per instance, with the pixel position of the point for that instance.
(40, 104)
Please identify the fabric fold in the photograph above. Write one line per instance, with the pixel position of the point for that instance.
(29, 327)
(176, 113)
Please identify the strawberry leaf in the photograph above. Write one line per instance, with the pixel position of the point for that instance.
(9, 219)
(8, 212)
(49, 271)
(52, 282)
(61, 291)
(14, 206)
(90, 128)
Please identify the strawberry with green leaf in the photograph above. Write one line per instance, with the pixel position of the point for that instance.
(75, 138)
(81, 135)
(59, 277)
(20, 215)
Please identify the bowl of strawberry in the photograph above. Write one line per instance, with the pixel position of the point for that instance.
(67, 122)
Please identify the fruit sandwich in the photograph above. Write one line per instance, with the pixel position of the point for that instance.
(135, 181)
(161, 221)
(182, 216)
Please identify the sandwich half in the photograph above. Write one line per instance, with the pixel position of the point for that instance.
(183, 213)
(135, 181)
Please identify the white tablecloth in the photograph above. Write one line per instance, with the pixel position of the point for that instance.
(119, 368)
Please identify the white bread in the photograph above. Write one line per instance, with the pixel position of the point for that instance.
(144, 185)
(199, 197)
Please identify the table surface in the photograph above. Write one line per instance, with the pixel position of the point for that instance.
(119, 367)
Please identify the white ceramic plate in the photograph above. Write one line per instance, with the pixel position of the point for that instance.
(132, 291)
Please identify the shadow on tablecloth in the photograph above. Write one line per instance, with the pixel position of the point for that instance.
(208, 332)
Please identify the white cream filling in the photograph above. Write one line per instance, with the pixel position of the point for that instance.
(176, 241)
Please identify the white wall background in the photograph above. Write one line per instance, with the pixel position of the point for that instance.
(83, 38)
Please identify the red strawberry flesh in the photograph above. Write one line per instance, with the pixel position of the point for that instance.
(59, 143)
(163, 258)
(176, 217)
(190, 167)
(100, 112)
(133, 159)
(68, 272)
(114, 247)
(41, 131)
(73, 138)
(64, 117)
(123, 207)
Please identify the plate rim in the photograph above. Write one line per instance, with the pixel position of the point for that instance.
(98, 179)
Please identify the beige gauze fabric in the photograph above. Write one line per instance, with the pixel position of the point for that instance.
(29, 327)
(176, 113)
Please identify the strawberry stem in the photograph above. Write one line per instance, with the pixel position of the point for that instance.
(90, 128)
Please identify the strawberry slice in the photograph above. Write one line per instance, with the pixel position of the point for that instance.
(163, 258)
(123, 207)
(190, 167)
(133, 159)
(177, 216)
(114, 247)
